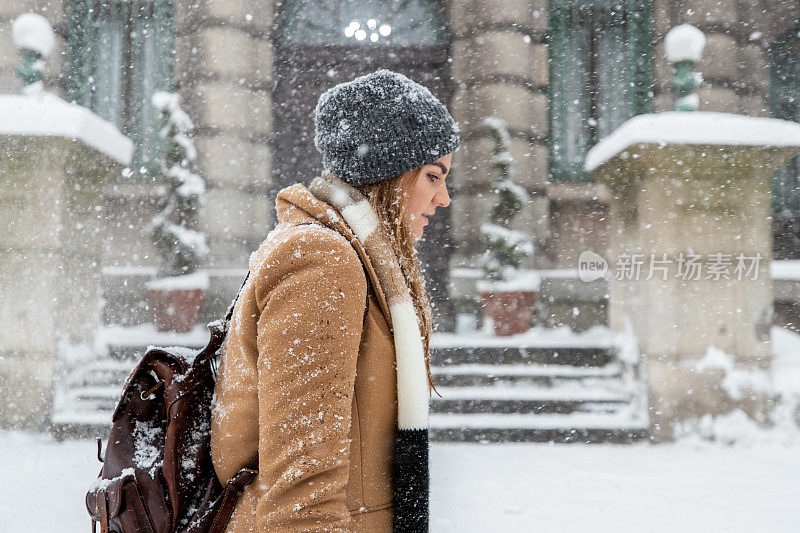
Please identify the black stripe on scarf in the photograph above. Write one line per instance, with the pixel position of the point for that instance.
(411, 481)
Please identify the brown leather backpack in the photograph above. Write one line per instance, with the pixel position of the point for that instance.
(157, 474)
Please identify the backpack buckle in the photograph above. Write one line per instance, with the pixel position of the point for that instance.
(148, 395)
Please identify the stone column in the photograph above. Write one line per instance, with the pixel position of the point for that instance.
(692, 185)
(500, 69)
(54, 158)
(224, 74)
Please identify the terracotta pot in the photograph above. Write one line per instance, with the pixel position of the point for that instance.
(176, 309)
(510, 311)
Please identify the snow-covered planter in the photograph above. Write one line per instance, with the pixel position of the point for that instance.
(177, 301)
(507, 296)
(178, 294)
(509, 304)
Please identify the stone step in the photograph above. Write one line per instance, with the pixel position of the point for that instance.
(101, 372)
(619, 427)
(74, 401)
(131, 342)
(574, 392)
(91, 378)
(78, 428)
(113, 373)
(586, 435)
(522, 406)
(506, 355)
(443, 376)
(527, 400)
(96, 392)
(524, 374)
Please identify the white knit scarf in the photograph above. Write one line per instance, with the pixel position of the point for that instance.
(411, 442)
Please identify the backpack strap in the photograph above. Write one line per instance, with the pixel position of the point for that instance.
(229, 313)
(230, 495)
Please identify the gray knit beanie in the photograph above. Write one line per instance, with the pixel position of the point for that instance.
(380, 125)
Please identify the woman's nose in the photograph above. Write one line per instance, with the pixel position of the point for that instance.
(444, 197)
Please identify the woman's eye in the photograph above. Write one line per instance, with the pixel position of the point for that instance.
(433, 177)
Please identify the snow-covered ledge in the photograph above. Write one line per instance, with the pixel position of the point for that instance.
(697, 128)
(691, 202)
(47, 115)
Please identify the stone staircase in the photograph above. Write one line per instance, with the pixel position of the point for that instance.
(545, 385)
(539, 386)
(91, 377)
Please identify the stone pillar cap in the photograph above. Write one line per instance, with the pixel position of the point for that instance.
(697, 128)
(47, 115)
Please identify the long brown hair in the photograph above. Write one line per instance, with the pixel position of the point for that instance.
(389, 199)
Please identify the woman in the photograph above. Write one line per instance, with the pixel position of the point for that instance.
(325, 373)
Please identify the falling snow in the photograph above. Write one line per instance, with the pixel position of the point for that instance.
(141, 152)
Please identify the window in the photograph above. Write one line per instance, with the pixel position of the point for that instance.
(362, 22)
(121, 52)
(600, 55)
(784, 102)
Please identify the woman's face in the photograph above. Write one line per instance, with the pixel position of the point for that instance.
(428, 193)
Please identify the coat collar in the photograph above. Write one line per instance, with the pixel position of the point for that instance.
(296, 205)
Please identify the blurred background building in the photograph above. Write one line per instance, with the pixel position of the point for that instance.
(563, 75)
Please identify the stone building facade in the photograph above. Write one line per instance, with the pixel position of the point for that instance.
(232, 66)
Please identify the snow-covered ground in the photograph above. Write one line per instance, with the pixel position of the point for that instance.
(689, 486)
(619, 489)
(496, 487)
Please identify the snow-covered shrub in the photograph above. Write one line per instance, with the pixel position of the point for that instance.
(506, 248)
(173, 230)
(777, 424)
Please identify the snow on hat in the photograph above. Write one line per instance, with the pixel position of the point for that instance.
(380, 125)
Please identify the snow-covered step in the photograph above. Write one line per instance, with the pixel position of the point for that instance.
(96, 392)
(64, 420)
(526, 400)
(537, 337)
(110, 372)
(517, 420)
(622, 426)
(557, 346)
(70, 401)
(502, 355)
(144, 335)
(109, 364)
(564, 371)
(576, 393)
(128, 343)
(93, 376)
(466, 375)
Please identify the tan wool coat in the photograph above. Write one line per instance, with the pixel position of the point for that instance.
(308, 381)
